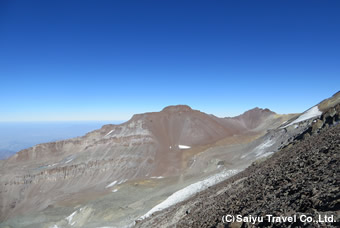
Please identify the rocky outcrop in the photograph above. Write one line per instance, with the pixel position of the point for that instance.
(328, 118)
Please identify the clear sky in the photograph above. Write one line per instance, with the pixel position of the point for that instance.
(106, 60)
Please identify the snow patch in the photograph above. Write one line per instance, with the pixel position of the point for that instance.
(68, 161)
(265, 155)
(193, 162)
(115, 190)
(109, 133)
(135, 128)
(160, 177)
(183, 147)
(53, 165)
(310, 113)
(190, 190)
(260, 149)
(123, 181)
(70, 217)
(265, 145)
(112, 184)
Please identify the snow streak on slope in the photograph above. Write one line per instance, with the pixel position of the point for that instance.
(70, 218)
(110, 185)
(134, 128)
(183, 147)
(190, 190)
(109, 133)
(260, 150)
(312, 112)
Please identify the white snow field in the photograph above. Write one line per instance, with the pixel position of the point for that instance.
(310, 113)
(190, 190)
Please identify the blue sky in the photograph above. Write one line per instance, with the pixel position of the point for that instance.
(106, 60)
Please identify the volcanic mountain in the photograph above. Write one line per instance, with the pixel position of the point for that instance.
(153, 140)
(115, 174)
(301, 179)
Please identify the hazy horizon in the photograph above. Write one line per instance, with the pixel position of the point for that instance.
(16, 136)
(232, 114)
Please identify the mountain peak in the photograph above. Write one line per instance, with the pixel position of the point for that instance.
(177, 108)
(172, 109)
(254, 117)
(258, 110)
